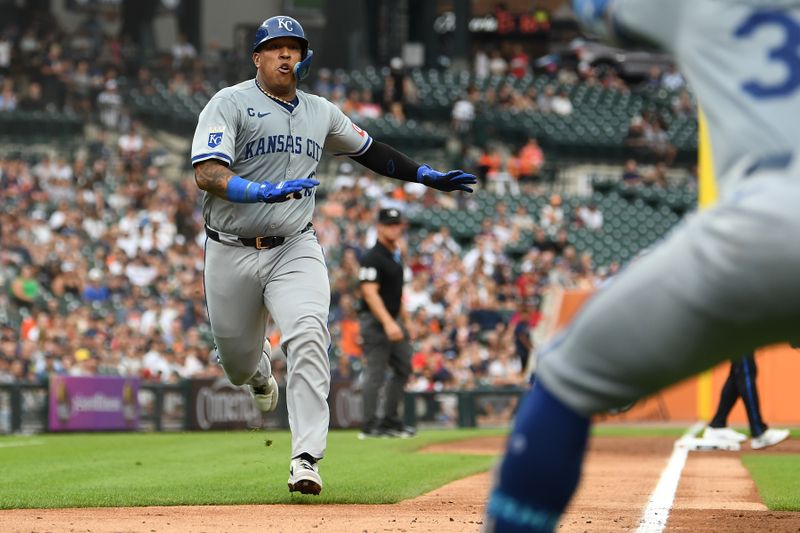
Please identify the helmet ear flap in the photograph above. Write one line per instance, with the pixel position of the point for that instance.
(303, 68)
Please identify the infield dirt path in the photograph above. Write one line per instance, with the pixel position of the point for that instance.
(715, 494)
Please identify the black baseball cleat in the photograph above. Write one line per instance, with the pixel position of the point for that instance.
(397, 429)
(373, 433)
(304, 477)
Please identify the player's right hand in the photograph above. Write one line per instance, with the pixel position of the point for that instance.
(284, 190)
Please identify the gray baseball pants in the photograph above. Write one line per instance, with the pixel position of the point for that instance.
(244, 286)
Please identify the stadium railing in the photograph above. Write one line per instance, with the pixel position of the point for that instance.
(173, 407)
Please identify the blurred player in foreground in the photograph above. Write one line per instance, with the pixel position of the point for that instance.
(725, 282)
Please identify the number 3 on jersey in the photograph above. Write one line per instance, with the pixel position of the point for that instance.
(788, 52)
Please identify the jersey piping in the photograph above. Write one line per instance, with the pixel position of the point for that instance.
(358, 152)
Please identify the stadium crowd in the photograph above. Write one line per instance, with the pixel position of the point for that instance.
(101, 253)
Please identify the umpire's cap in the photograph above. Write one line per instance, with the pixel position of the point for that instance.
(280, 26)
(389, 216)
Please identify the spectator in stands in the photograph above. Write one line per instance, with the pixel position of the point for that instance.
(398, 87)
(497, 65)
(349, 329)
(523, 321)
(545, 99)
(81, 84)
(505, 96)
(672, 79)
(323, 85)
(6, 51)
(480, 64)
(590, 216)
(561, 104)
(343, 370)
(53, 77)
(531, 161)
(109, 105)
(25, 287)
(489, 162)
(463, 114)
(506, 175)
(551, 215)
(656, 176)
(541, 241)
(32, 101)
(95, 290)
(522, 220)
(519, 66)
(635, 137)
(368, 108)
(178, 85)
(8, 98)
(183, 52)
(131, 143)
(657, 140)
(396, 113)
(630, 172)
(683, 105)
(526, 101)
(561, 241)
(653, 78)
(351, 104)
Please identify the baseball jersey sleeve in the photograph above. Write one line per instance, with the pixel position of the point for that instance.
(344, 137)
(649, 21)
(215, 136)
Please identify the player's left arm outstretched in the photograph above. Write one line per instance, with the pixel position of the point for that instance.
(388, 161)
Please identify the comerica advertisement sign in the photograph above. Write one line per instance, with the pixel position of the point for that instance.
(97, 403)
(216, 404)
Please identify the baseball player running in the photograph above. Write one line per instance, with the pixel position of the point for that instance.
(726, 280)
(255, 154)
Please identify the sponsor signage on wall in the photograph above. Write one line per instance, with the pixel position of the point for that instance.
(217, 404)
(97, 403)
(346, 405)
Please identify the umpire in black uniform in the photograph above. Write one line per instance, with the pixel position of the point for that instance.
(385, 340)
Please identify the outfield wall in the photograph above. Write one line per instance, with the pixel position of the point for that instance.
(696, 398)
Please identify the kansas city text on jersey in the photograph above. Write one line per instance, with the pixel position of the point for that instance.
(282, 144)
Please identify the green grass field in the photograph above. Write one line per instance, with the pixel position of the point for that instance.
(137, 469)
(134, 469)
(777, 478)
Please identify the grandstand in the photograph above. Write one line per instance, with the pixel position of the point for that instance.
(102, 239)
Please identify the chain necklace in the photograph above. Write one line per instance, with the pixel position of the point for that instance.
(276, 98)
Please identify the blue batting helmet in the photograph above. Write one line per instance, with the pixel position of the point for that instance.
(280, 26)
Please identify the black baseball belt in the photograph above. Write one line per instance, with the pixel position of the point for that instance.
(259, 243)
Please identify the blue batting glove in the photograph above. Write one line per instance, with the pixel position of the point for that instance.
(284, 190)
(455, 180)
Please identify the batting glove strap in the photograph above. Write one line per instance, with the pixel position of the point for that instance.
(242, 191)
(284, 190)
(454, 180)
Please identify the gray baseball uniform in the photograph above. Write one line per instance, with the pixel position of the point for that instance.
(262, 139)
(727, 279)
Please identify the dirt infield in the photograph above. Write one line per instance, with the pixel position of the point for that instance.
(715, 494)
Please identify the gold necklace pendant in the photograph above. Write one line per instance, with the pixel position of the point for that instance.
(269, 94)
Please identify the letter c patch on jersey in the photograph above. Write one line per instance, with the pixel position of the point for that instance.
(215, 134)
(367, 274)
